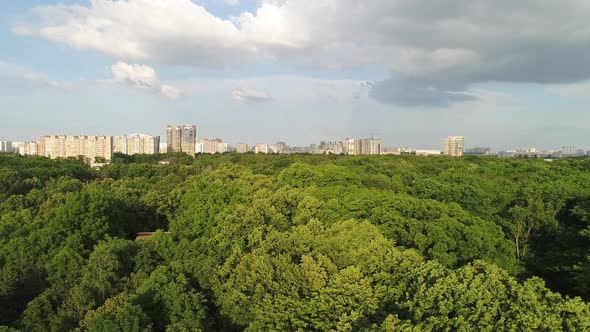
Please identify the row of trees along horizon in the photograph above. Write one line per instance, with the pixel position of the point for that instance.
(295, 243)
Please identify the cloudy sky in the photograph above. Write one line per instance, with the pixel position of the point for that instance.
(502, 73)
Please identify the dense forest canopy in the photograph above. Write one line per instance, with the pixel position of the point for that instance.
(298, 242)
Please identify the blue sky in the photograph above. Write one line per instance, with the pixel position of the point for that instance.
(299, 71)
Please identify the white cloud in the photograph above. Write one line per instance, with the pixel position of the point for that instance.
(252, 95)
(135, 75)
(459, 38)
(140, 75)
(144, 77)
(445, 46)
(170, 91)
(165, 31)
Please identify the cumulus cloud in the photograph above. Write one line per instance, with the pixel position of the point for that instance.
(165, 31)
(144, 77)
(22, 79)
(434, 50)
(251, 95)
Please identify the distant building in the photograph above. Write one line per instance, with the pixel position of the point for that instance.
(391, 151)
(98, 147)
(181, 139)
(5, 147)
(527, 153)
(242, 148)
(428, 152)
(568, 150)
(352, 146)
(62, 146)
(28, 148)
(506, 154)
(370, 146)
(163, 148)
(331, 147)
(304, 149)
(480, 151)
(453, 146)
(211, 146)
(281, 148)
(551, 152)
(19, 147)
(526, 150)
(262, 148)
(136, 144)
(222, 147)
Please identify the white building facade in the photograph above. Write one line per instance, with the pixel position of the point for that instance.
(454, 146)
(136, 144)
(6, 147)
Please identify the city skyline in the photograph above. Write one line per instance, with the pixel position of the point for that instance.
(234, 139)
(200, 140)
(183, 138)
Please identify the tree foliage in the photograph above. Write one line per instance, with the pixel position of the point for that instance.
(294, 243)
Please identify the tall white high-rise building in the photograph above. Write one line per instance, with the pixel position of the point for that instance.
(454, 146)
(136, 144)
(182, 139)
(568, 150)
(351, 146)
(5, 147)
(369, 146)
